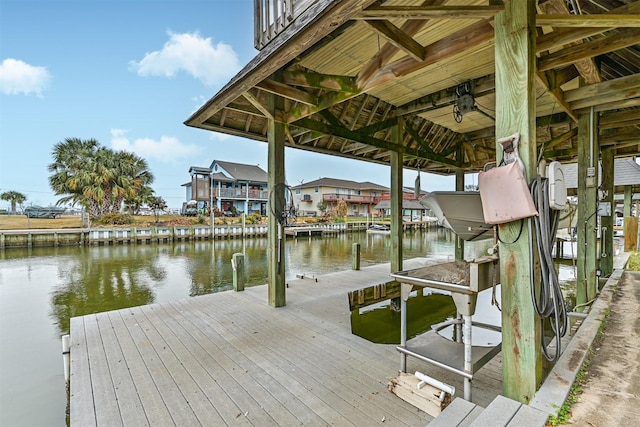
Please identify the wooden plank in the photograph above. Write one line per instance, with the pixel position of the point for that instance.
(260, 384)
(152, 403)
(529, 416)
(171, 354)
(361, 369)
(129, 403)
(177, 404)
(104, 396)
(282, 343)
(81, 394)
(457, 412)
(498, 414)
(208, 345)
(213, 393)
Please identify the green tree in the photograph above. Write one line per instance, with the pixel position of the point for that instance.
(96, 177)
(135, 203)
(322, 206)
(15, 197)
(157, 204)
(341, 208)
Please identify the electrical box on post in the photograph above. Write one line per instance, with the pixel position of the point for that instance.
(557, 187)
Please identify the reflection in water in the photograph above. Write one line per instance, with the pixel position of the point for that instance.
(42, 288)
(104, 278)
(382, 325)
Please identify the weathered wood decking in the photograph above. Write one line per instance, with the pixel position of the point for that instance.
(230, 359)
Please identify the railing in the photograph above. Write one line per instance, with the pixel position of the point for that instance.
(237, 193)
(350, 198)
(271, 17)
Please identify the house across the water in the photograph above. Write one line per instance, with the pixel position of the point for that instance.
(232, 188)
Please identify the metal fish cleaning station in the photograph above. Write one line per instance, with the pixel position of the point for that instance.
(510, 90)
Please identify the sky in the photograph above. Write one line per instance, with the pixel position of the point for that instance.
(128, 73)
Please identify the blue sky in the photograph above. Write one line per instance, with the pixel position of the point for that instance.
(128, 74)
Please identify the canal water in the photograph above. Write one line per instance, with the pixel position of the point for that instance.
(42, 288)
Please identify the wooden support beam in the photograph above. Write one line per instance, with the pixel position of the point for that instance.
(411, 27)
(320, 81)
(587, 67)
(620, 119)
(588, 154)
(429, 12)
(275, 230)
(287, 91)
(342, 132)
(256, 103)
(563, 36)
(398, 38)
(463, 40)
(610, 91)
(515, 112)
(618, 40)
(599, 20)
(396, 198)
(607, 221)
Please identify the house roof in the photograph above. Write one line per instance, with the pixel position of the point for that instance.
(243, 172)
(199, 170)
(626, 172)
(342, 183)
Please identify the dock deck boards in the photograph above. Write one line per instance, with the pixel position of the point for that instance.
(231, 359)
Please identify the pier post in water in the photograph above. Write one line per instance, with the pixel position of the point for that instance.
(355, 256)
(237, 262)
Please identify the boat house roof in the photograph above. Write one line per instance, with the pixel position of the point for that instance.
(347, 69)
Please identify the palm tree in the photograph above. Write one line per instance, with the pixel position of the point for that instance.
(96, 177)
(132, 178)
(15, 197)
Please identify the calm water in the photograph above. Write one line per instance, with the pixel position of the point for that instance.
(42, 288)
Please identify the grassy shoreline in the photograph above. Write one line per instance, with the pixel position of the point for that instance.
(21, 222)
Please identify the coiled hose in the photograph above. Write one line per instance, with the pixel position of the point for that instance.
(547, 298)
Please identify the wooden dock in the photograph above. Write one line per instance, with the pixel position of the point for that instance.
(231, 359)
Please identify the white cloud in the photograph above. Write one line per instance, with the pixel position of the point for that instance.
(167, 150)
(18, 77)
(193, 54)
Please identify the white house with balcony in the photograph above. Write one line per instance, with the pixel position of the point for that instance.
(229, 187)
(361, 197)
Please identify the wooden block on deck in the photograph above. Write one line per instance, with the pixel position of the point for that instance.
(405, 386)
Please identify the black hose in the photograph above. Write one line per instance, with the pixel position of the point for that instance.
(547, 298)
(283, 210)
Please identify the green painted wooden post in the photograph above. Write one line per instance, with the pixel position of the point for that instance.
(237, 261)
(355, 256)
(275, 234)
(607, 222)
(396, 206)
(627, 201)
(459, 250)
(515, 31)
(586, 280)
(396, 199)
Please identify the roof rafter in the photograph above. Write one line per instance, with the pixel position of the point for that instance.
(355, 136)
(429, 12)
(618, 40)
